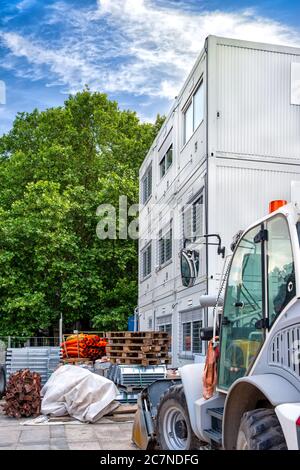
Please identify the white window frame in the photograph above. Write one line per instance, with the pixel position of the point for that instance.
(191, 104)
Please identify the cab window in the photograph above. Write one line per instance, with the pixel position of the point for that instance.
(280, 264)
(242, 332)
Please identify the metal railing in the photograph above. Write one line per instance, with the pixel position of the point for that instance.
(29, 342)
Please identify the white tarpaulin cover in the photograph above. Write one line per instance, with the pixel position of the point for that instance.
(78, 392)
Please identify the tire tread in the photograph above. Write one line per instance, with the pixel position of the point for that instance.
(262, 430)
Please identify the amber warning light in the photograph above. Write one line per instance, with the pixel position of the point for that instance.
(274, 205)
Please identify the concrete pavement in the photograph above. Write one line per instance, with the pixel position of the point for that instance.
(106, 434)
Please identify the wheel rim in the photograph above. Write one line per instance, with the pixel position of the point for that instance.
(242, 443)
(175, 430)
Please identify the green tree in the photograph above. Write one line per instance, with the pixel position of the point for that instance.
(56, 168)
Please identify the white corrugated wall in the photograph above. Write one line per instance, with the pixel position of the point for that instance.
(244, 192)
(254, 102)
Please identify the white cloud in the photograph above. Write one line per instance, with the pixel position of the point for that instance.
(24, 4)
(130, 46)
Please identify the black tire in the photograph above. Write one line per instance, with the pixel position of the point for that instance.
(260, 430)
(173, 403)
(2, 381)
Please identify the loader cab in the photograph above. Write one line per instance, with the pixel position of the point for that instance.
(261, 282)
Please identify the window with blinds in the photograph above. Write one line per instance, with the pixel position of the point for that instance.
(193, 219)
(191, 324)
(146, 257)
(165, 324)
(147, 185)
(165, 246)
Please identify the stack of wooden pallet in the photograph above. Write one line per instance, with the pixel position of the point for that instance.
(147, 348)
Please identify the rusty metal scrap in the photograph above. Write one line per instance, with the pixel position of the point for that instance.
(22, 398)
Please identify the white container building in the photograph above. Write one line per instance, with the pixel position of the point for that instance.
(229, 146)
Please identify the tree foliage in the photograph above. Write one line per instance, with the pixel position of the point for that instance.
(56, 168)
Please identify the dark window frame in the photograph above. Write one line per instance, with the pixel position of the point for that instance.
(192, 206)
(164, 166)
(164, 328)
(191, 351)
(147, 180)
(165, 246)
(146, 257)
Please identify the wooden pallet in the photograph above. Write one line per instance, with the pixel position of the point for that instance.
(123, 340)
(139, 348)
(137, 355)
(136, 348)
(139, 341)
(76, 360)
(138, 334)
(139, 361)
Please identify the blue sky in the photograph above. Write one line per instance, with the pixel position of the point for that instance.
(137, 51)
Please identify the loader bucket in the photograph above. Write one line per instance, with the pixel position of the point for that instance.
(144, 432)
(139, 432)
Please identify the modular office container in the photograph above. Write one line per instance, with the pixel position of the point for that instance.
(230, 144)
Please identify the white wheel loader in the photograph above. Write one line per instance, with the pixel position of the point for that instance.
(256, 403)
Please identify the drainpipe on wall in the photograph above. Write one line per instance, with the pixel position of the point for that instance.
(206, 183)
(61, 329)
(136, 319)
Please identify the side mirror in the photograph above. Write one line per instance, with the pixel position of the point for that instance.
(189, 266)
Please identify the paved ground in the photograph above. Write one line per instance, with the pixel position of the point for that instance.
(105, 435)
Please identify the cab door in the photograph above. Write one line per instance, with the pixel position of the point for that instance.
(281, 286)
(243, 321)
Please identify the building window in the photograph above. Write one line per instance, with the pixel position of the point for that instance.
(191, 342)
(165, 246)
(191, 324)
(147, 185)
(193, 219)
(166, 162)
(167, 328)
(197, 210)
(186, 337)
(198, 101)
(194, 113)
(196, 340)
(188, 123)
(146, 261)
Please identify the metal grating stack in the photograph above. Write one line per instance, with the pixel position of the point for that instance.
(132, 379)
(42, 360)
